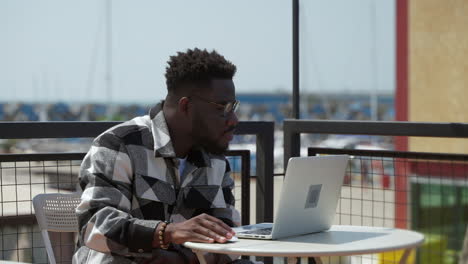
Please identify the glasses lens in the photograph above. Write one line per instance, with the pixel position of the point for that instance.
(235, 106)
(230, 107)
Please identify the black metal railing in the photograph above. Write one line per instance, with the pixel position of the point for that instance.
(25, 175)
(262, 130)
(436, 187)
(427, 192)
(292, 129)
(22, 176)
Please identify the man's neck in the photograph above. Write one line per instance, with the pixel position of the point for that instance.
(180, 140)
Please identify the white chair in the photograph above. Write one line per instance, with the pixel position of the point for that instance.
(55, 212)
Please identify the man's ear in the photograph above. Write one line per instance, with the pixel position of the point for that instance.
(183, 105)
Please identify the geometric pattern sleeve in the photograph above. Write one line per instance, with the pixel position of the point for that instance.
(105, 222)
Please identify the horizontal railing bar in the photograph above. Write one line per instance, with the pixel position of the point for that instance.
(253, 127)
(77, 129)
(391, 154)
(378, 128)
(75, 156)
(18, 219)
(41, 156)
(237, 152)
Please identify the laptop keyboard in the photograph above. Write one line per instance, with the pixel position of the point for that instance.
(263, 231)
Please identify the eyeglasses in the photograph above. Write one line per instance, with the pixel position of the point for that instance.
(228, 107)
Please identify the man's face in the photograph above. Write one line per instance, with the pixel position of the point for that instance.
(212, 129)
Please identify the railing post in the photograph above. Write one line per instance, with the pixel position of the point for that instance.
(245, 188)
(265, 167)
(291, 142)
(264, 132)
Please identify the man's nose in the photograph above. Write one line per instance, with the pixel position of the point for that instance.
(232, 119)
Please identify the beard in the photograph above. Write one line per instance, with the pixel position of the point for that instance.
(210, 145)
(202, 138)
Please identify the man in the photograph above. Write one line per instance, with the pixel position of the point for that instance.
(157, 181)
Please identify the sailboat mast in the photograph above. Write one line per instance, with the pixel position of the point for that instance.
(109, 77)
(374, 62)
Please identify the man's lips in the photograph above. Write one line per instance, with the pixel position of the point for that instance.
(229, 135)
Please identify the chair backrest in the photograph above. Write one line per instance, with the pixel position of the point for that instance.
(56, 211)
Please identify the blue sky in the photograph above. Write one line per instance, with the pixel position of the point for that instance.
(47, 46)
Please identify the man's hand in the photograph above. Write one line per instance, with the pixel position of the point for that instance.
(202, 228)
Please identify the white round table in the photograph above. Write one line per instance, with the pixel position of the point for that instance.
(339, 240)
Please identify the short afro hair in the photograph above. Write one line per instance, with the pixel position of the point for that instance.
(198, 67)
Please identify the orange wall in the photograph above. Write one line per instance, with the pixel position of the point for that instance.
(438, 69)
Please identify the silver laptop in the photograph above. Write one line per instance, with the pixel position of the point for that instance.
(308, 200)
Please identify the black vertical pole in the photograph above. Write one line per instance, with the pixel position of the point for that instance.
(295, 139)
(264, 185)
(295, 62)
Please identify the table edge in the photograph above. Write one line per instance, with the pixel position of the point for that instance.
(196, 247)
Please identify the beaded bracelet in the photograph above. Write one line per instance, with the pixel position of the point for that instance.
(161, 235)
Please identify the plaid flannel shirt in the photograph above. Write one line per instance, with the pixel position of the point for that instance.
(131, 182)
